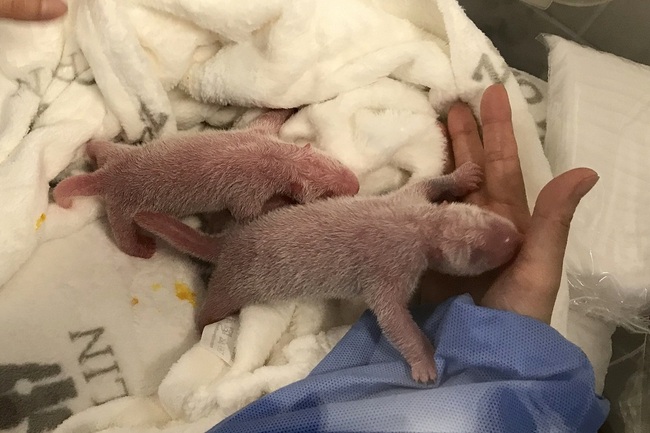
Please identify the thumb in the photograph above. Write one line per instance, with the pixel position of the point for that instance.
(546, 238)
(32, 10)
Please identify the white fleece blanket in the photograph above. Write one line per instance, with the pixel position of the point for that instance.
(84, 324)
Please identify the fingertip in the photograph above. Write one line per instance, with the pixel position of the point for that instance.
(584, 172)
(554, 210)
(563, 193)
(540, 261)
(458, 108)
(51, 9)
(464, 135)
(495, 91)
(37, 10)
(495, 104)
(458, 105)
(570, 186)
(587, 183)
(546, 238)
(460, 119)
(498, 88)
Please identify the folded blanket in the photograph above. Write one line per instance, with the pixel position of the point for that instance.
(85, 323)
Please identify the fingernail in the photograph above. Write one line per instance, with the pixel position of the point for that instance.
(51, 9)
(586, 185)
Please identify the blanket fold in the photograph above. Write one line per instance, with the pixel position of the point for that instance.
(370, 79)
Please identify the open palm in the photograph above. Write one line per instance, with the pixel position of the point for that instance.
(529, 283)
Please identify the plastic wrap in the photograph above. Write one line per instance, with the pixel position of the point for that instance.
(599, 117)
(544, 4)
(628, 384)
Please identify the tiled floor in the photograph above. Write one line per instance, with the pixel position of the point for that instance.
(621, 27)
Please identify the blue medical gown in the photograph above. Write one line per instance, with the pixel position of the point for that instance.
(497, 372)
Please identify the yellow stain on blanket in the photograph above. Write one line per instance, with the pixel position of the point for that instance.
(134, 301)
(184, 293)
(40, 221)
(156, 286)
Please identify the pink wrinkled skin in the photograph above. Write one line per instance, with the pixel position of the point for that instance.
(376, 248)
(247, 172)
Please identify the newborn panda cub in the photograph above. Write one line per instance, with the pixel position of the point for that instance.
(376, 248)
(247, 172)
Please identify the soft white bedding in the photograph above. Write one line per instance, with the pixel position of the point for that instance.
(91, 324)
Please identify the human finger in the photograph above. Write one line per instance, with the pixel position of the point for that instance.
(504, 179)
(466, 143)
(463, 133)
(542, 253)
(32, 10)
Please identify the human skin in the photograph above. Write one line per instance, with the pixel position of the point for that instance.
(529, 283)
(32, 10)
(373, 248)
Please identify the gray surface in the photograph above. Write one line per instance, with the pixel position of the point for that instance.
(621, 27)
(627, 385)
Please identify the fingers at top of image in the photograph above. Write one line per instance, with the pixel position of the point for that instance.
(32, 10)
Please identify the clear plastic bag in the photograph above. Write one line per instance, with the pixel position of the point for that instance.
(628, 384)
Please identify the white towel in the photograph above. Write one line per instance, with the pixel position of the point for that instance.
(135, 70)
(383, 132)
(609, 246)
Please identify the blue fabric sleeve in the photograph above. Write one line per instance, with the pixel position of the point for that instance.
(497, 372)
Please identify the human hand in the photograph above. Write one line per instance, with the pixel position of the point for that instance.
(32, 10)
(529, 283)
